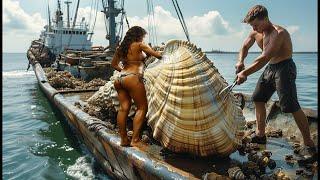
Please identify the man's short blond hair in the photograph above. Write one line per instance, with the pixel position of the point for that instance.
(257, 11)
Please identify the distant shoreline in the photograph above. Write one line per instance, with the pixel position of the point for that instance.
(231, 52)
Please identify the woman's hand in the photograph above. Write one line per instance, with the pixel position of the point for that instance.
(150, 51)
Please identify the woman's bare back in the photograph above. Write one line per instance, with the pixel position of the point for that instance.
(135, 58)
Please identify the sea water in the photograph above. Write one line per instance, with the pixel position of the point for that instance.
(38, 144)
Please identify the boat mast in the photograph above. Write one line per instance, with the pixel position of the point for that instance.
(75, 15)
(59, 14)
(111, 12)
(68, 19)
(49, 29)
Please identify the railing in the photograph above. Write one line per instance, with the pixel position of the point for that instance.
(82, 26)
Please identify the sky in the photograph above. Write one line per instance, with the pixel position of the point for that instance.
(212, 24)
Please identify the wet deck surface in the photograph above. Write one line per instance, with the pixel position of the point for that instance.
(199, 166)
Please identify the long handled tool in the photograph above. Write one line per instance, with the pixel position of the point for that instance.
(228, 89)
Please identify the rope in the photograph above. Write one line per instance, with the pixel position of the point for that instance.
(91, 7)
(95, 19)
(125, 14)
(151, 23)
(181, 19)
(104, 17)
(154, 24)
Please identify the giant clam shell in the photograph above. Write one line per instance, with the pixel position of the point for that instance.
(185, 111)
(107, 97)
(184, 108)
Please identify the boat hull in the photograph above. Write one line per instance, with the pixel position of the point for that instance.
(117, 161)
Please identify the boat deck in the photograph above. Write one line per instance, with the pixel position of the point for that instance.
(200, 166)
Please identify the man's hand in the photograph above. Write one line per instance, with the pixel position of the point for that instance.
(241, 77)
(239, 67)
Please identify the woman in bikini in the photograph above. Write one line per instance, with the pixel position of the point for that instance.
(132, 52)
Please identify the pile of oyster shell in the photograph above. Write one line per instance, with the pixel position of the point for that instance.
(63, 80)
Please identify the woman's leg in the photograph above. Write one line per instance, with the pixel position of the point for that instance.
(137, 92)
(125, 105)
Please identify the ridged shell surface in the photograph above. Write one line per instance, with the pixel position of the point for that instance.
(107, 97)
(236, 173)
(184, 108)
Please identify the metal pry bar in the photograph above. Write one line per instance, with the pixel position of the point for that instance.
(228, 89)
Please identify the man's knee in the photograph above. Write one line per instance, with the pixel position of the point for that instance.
(289, 103)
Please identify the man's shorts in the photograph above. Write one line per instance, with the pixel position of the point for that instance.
(279, 77)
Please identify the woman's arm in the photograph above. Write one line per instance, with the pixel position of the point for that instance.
(115, 61)
(150, 51)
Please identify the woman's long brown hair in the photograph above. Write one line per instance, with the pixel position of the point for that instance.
(134, 34)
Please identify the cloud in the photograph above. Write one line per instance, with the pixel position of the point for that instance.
(292, 29)
(208, 31)
(166, 25)
(16, 20)
(203, 29)
(209, 24)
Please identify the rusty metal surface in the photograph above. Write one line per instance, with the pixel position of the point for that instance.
(123, 163)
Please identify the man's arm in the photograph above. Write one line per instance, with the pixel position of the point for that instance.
(268, 51)
(246, 46)
(115, 61)
(244, 51)
(150, 51)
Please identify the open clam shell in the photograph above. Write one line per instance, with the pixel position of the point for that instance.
(184, 108)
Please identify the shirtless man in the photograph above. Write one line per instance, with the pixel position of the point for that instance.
(279, 75)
